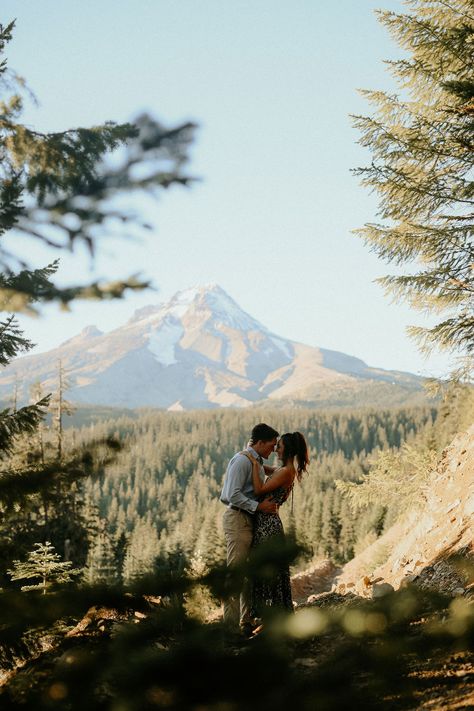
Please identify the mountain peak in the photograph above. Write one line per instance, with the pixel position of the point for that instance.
(189, 295)
(198, 349)
(87, 333)
(222, 308)
(203, 304)
(179, 303)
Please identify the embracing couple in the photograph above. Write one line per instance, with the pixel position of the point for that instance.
(253, 493)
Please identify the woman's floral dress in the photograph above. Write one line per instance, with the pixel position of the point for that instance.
(274, 591)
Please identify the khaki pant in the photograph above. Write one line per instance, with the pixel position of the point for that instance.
(238, 530)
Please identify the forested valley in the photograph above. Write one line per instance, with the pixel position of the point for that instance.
(158, 497)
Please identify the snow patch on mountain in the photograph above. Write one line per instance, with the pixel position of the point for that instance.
(145, 312)
(226, 311)
(162, 342)
(181, 302)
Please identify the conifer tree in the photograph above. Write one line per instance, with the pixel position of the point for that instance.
(422, 167)
(61, 183)
(45, 564)
(142, 551)
(101, 564)
(14, 422)
(61, 407)
(59, 189)
(36, 393)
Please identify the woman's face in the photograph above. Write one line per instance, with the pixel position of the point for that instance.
(280, 449)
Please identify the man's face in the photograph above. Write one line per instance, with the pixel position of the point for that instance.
(267, 448)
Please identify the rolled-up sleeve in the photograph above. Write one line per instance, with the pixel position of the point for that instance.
(237, 485)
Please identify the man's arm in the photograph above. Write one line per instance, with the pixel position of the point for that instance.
(267, 506)
(238, 475)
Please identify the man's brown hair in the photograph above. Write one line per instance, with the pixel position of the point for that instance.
(262, 432)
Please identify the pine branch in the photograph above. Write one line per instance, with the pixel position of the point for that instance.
(19, 300)
(23, 421)
(70, 181)
(423, 164)
(455, 10)
(12, 341)
(16, 485)
(455, 334)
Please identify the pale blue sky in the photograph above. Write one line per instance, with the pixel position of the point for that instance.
(271, 84)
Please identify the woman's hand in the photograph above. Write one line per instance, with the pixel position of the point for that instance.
(256, 481)
(282, 476)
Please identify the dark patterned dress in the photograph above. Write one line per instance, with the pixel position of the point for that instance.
(274, 591)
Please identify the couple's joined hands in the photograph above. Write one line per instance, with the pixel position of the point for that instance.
(267, 506)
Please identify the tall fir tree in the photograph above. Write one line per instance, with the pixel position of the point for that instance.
(421, 142)
(60, 189)
(60, 407)
(142, 551)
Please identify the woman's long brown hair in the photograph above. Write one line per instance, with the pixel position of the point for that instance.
(294, 445)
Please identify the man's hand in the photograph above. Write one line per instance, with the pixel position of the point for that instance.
(267, 506)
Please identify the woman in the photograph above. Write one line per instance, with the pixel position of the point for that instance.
(277, 487)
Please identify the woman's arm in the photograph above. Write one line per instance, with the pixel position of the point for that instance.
(282, 477)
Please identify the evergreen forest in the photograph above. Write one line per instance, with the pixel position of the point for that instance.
(159, 496)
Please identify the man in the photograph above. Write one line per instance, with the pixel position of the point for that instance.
(241, 502)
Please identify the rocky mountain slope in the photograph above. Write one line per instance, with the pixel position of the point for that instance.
(423, 546)
(202, 350)
(432, 547)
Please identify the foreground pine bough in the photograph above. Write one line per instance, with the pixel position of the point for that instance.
(140, 650)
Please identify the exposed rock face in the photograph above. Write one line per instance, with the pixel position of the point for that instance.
(427, 547)
(198, 350)
(317, 579)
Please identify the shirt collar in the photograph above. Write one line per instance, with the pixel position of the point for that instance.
(255, 454)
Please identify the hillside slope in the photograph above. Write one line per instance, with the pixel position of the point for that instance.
(423, 548)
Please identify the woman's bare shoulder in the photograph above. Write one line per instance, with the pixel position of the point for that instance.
(285, 472)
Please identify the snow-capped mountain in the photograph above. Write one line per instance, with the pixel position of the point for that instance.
(198, 350)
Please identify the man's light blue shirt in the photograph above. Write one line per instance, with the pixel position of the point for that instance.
(238, 487)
